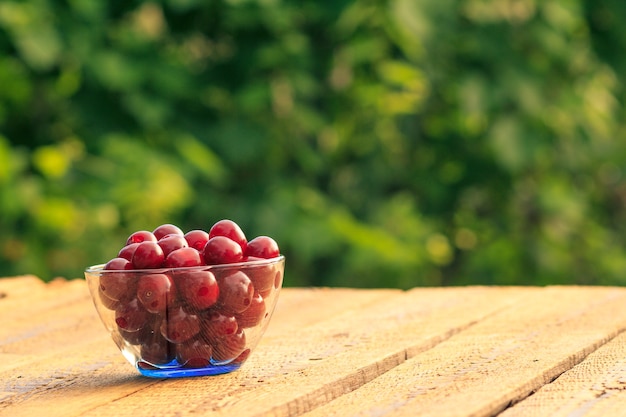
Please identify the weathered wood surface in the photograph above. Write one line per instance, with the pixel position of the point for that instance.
(468, 351)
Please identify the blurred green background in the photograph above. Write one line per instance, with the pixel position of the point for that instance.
(389, 143)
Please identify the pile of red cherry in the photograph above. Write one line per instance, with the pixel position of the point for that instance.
(196, 316)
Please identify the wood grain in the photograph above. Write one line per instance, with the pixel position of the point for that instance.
(54, 345)
(499, 361)
(295, 372)
(468, 351)
(594, 387)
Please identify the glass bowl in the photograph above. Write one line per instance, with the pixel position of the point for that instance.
(188, 321)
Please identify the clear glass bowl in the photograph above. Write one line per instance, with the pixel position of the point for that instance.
(177, 322)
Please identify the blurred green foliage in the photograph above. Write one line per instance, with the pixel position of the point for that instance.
(390, 143)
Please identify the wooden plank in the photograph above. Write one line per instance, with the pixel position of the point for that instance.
(67, 351)
(61, 305)
(594, 387)
(65, 309)
(43, 331)
(54, 338)
(499, 361)
(20, 286)
(95, 365)
(326, 351)
(298, 307)
(295, 372)
(37, 297)
(68, 312)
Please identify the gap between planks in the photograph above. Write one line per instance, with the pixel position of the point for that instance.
(50, 367)
(350, 349)
(307, 315)
(296, 385)
(594, 387)
(499, 361)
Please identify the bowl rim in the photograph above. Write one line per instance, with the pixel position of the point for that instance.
(99, 268)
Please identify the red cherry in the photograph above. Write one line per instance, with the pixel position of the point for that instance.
(236, 292)
(109, 303)
(148, 255)
(194, 353)
(229, 347)
(146, 365)
(216, 325)
(262, 247)
(141, 236)
(144, 335)
(197, 239)
(198, 289)
(131, 316)
(278, 279)
(170, 243)
(243, 356)
(118, 264)
(118, 285)
(153, 291)
(167, 229)
(254, 314)
(231, 230)
(183, 257)
(179, 326)
(134, 338)
(262, 276)
(127, 251)
(157, 351)
(222, 250)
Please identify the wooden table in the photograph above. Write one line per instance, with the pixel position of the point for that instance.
(468, 351)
